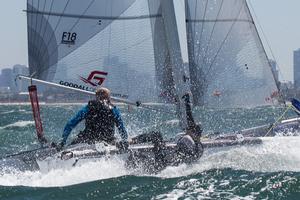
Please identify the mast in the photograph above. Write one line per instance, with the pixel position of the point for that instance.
(178, 71)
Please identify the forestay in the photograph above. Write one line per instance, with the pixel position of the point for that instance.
(89, 43)
(229, 67)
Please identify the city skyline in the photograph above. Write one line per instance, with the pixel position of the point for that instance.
(280, 30)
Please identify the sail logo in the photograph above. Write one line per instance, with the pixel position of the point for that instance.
(96, 78)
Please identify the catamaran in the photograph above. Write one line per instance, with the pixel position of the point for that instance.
(148, 52)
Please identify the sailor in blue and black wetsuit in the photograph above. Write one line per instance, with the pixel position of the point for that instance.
(101, 117)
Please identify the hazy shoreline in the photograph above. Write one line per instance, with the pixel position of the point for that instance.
(41, 103)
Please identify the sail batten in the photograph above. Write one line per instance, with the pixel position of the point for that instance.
(218, 20)
(92, 16)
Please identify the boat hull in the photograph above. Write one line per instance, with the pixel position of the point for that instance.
(137, 156)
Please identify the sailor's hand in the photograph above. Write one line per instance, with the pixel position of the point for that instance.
(122, 145)
(60, 146)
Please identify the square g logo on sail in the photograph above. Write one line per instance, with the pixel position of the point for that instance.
(96, 78)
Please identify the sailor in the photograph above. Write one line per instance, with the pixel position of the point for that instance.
(188, 144)
(101, 117)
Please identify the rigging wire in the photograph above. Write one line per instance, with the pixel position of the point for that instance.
(39, 43)
(77, 21)
(31, 16)
(210, 37)
(79, 18)
(35, 27)
(195, 15)
(39, 54)
(53, 34)
(126, 55)
(280, 96)
(289, 107)
(31, 36)
(223, 42)
(120, 50)
(202, 28)
(267, 41)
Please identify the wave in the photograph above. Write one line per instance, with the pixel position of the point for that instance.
(22, 111)
(64, 176)
(212, 184)
(274, 155)
(7, 112)
(18, 124)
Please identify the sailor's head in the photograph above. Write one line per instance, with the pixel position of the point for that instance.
(103, 94)
(194, 131)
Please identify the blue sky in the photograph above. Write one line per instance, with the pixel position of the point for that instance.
(280, 20)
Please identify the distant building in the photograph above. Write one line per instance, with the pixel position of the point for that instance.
(7, 77)
(1, 80)
(274, 69)
(297, 69)
(8, 81)
(20, 85)
(21, 70)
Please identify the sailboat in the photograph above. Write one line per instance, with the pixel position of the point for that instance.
(148, 52)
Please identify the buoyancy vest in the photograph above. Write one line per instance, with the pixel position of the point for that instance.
(100, 121)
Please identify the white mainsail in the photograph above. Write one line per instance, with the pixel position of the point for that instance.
(133, 48)
(90, 43)
(228, 64)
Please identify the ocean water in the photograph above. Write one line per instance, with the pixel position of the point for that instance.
(267, 171)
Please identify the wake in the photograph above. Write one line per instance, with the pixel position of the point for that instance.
(275, 154)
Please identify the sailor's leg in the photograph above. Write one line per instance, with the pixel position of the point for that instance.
(159, 147)
(154, 137)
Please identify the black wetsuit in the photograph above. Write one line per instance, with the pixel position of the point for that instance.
(100, 120)
(99, 124)
(187, 149)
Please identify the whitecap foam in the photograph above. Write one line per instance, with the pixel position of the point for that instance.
(275, 154)
(18, 124)
(64, 176)
(7, 112)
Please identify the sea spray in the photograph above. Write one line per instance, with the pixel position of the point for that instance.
(269, 171)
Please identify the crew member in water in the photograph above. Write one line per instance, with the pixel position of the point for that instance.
(101, 117)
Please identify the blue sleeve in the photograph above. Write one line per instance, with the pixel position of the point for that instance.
(120, 124)
(73, 122)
